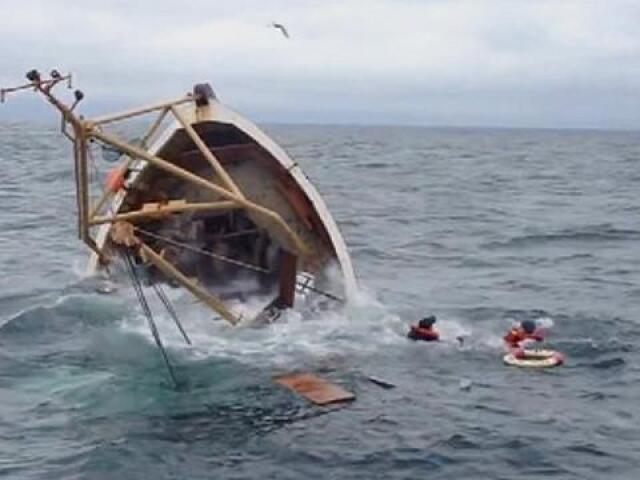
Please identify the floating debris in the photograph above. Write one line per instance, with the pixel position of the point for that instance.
(465, 384)
(380, 382)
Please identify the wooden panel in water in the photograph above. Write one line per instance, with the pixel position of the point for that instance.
(314, 388)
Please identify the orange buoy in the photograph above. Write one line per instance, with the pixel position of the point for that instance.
(115, 179)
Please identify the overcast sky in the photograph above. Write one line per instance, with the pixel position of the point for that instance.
(541, 63)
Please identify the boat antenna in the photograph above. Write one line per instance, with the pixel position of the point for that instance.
(36, 82)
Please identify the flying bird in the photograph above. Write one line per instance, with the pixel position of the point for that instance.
(280, 27)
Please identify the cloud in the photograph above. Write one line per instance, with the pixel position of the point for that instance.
(488, 62)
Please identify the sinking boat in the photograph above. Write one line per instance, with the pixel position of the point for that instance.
(203, 200)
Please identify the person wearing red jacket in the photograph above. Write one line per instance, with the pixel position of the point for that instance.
(518, 336)
(425, 330)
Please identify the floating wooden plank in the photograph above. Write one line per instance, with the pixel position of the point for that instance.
(314, 389)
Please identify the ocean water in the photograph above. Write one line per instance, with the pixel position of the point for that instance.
(481, 227)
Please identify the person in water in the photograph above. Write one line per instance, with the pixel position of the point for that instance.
(519, 336)
(425, 330)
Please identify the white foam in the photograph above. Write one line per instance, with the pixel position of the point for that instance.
(299, 335)
(545, 322)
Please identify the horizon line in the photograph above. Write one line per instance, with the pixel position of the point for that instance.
(287, 123)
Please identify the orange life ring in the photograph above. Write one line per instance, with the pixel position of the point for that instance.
(534, 359)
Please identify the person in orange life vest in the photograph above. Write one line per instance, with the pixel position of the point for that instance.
(424, 330)
(116, 179)
(516, 339)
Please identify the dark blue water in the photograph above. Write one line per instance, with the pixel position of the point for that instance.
(481, 227)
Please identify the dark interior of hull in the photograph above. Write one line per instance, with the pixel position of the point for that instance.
(219, 248)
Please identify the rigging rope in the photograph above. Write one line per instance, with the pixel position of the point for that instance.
(147, 312)
(208, 253)
(172, 311)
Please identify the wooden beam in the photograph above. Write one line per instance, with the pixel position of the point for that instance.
(204, 150)
(134, 112)
(209, 299)
(84, 184)
(288, 263)
(150, 131)
(153, 127)
(161, 210)
(302, 248)
(76, 178)
(163, 164)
